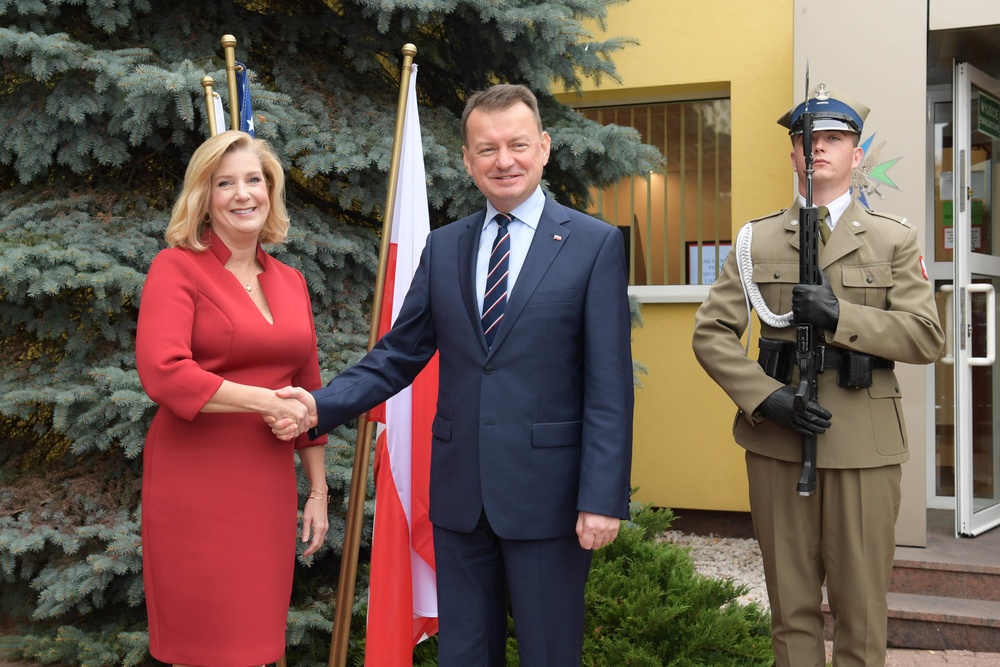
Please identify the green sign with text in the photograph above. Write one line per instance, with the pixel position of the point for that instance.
(989, 115)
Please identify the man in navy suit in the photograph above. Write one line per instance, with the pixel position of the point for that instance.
(532, 438)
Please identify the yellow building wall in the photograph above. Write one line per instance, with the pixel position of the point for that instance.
(684, 453)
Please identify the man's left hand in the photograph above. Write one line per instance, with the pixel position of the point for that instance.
(816, 304)
(596, 530)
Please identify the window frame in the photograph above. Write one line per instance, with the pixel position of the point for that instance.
(666, 293)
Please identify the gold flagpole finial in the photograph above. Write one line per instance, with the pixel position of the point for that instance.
(229, 49)
(208, 83)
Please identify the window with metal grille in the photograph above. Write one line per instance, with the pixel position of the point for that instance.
(678, 223)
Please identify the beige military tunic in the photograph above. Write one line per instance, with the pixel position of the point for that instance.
(887, 309)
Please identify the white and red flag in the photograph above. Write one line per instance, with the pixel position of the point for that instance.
(402, 598)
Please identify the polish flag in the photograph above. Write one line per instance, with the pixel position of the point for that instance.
(402, 598)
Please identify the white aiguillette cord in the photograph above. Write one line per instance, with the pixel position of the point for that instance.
(751, 293)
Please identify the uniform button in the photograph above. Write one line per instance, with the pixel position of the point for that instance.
(869, 280)
(854, 338)
(488, 368)
(777, 275)
(795, 222)
(855, 224)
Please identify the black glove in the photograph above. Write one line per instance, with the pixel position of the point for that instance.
(780, 408)
(816, 304)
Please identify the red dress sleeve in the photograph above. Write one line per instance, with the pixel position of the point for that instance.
(167, 370)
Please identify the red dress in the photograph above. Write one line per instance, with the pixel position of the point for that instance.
(219, 501)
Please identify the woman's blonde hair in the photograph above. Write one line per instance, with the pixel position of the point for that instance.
(189, 218)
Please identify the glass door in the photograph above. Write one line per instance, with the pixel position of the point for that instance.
(971, 227)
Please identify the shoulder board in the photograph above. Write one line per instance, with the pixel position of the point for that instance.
(895, 218)
(765, 217)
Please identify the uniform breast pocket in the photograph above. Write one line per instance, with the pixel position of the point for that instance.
(775, 281)
(867, 284)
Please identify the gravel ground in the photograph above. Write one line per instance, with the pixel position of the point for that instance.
(726, 558)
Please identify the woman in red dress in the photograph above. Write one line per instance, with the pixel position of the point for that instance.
(222, 325)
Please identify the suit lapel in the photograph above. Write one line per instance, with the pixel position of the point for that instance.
(550, 235)
(468, 249)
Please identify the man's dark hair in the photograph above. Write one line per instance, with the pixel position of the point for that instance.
(499, 98)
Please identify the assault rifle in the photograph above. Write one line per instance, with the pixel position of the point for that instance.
(807, 352)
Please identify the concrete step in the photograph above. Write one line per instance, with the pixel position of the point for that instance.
(938, 622)
(943, 623)
(958, 580)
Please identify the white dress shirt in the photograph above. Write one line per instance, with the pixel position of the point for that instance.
(522, 230)
(836, 208)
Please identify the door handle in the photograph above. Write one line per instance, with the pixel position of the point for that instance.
(949, 325)
(991, 324)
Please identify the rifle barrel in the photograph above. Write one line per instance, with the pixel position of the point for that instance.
(805, 337)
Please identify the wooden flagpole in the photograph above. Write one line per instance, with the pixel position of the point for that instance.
(363, 443)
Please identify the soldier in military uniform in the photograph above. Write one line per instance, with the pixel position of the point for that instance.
(875, 307)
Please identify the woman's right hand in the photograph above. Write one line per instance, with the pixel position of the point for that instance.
(287, 417)
(289, 411)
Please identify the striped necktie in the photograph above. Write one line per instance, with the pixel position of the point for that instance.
(495, 298)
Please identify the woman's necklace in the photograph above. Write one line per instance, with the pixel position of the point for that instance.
(247, 284)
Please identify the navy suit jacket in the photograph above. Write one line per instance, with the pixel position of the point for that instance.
(538, 427)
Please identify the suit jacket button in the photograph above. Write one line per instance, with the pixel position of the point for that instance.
(488, 368)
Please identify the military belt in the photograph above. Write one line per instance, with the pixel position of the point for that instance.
(777, 358)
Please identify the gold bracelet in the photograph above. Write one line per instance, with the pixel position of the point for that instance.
(320, 495)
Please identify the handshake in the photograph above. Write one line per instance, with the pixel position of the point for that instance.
(290, 412)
